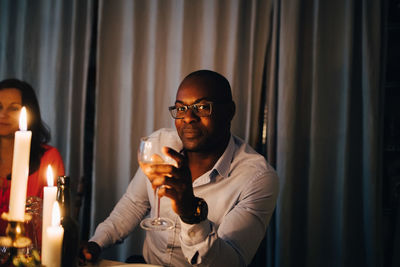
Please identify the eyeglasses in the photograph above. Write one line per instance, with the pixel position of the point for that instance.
(202, 110)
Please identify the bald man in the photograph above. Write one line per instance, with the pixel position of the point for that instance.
(220, 195)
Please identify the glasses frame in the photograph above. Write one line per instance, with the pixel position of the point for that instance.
(193, 107)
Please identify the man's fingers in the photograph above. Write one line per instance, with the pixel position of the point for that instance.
(168, 192)
(150, 169)
(173, 154)
(157, 170)
(84, 256)
(89, 251)
(88, 256)
(169, 183)
(164, 180)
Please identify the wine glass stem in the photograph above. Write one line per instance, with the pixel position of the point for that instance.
(157, 203)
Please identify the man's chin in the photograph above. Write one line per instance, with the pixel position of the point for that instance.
(192, 145)
(198, 147)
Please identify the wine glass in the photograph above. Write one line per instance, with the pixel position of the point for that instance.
(149, 153)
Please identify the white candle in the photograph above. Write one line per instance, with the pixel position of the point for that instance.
(20, 170)
(51, 256)
(49, 196)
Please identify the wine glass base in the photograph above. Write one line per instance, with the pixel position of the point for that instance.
(157, 224)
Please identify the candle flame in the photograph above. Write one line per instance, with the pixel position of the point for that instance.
(55, 215)
(50, 176)
(23, 125)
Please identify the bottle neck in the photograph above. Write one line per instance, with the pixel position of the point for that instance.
(64, 200)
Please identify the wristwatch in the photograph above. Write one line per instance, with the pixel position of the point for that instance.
(200, 212)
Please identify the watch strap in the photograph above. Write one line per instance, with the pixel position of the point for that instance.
(200, 212)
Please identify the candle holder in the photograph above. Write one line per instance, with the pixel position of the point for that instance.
(15, 232)
(15, 238)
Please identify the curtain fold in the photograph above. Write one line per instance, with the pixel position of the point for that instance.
(145, 49)
(46, 43)
(328, 133)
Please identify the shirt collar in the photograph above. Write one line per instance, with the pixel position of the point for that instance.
(221, 167)
(223, 164)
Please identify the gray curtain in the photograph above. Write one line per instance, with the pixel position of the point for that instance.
(46, 43)
(322, 101)
(322, 130)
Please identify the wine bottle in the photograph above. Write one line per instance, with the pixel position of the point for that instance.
(69, 256)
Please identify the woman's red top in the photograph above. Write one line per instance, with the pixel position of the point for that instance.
(36, 182)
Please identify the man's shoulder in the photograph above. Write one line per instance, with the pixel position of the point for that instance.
(243, 149)
(252, 169)
(246, 157)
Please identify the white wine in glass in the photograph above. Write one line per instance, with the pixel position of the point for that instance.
(149, 153)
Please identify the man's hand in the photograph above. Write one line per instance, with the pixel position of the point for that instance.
(89, 251)
(175, 182)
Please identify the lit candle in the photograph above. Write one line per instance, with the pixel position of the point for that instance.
(20, 170)
(49, 196)
(51, 256)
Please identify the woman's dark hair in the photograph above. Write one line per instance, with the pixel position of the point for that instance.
(40, 131)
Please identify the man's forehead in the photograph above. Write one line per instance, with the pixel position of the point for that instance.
(193, 101)
(196, 92)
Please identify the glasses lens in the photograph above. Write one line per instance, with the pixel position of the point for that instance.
(202, 110)
(172, 110)
(180, 111)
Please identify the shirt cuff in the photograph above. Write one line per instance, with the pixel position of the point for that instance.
(192, 234)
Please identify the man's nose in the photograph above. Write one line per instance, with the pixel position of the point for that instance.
(190, 116)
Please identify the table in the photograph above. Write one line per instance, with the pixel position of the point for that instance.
(106, 263)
